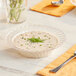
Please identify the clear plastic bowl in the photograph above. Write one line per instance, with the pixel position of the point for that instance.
(32, 27)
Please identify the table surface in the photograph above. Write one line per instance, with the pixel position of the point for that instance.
(11, 65)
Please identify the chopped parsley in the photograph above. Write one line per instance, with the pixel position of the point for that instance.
(21, 44)
(24, 38)
(34, 40)
(40, 45)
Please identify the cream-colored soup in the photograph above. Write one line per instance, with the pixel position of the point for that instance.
(35, 41)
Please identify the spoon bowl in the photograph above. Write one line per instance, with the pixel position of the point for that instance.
(57, 3)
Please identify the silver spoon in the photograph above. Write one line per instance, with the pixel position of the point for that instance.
(57, 3)
(60, 66)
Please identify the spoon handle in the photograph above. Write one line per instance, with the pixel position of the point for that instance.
(60, 66)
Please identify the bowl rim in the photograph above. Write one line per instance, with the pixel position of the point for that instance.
(64, 37)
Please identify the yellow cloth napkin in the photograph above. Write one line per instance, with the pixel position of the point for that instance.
(46, 7)
(68, 70)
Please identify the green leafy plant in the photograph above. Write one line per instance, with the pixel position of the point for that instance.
(15, 9)
(34, 40)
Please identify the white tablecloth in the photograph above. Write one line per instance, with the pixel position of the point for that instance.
(67, 24)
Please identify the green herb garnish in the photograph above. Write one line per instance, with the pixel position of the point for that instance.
(34, 40)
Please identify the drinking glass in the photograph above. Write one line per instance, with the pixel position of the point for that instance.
(16, 11)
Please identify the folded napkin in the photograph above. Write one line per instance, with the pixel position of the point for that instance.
(46, 7)
(68, 70)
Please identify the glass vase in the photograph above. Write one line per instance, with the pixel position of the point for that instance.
(16, 11)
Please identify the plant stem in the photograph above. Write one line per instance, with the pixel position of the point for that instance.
(15, 9)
